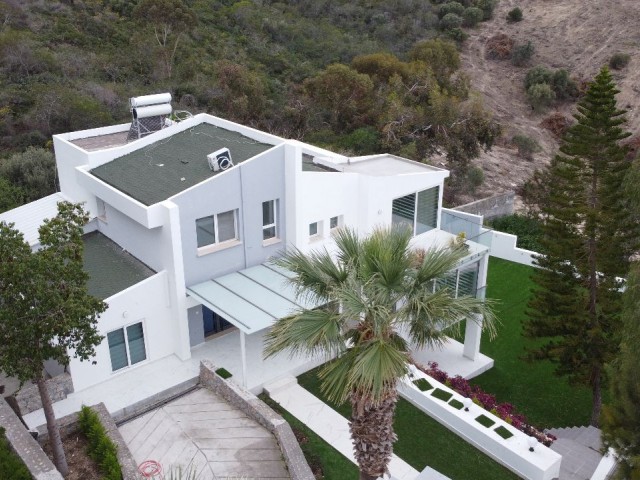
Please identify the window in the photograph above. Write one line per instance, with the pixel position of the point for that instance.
(463, 281)
(313, 229)
(217, 229)
(126, 346)
(335, 222)
(418, 211)
(269, 220)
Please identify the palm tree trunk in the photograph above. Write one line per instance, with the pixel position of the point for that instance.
(52, 427)
(372, 434)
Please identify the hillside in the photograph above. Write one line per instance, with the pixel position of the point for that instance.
(577, 35)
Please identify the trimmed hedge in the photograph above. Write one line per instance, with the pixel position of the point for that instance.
(11, 467)
(101, 448)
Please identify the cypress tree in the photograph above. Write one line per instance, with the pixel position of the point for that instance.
(621, 417)
(588, 238)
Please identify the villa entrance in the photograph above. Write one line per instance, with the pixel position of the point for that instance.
(213, 323)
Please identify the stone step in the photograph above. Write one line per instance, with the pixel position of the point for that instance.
(280, 384)
(590, 437)
(578, 461)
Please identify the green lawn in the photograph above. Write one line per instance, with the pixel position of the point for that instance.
(317, 452)
(422, 441)
(547, 400)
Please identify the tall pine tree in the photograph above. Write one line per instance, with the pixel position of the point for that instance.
(588, 238)
(621, 418)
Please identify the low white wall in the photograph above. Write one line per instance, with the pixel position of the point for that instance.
(145, 302)
(503, 245)
(541, 464)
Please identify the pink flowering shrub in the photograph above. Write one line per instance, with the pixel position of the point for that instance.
(505, 411)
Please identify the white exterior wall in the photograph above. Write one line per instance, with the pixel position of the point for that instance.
(147, 302)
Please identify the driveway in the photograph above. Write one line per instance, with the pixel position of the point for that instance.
(200, 432)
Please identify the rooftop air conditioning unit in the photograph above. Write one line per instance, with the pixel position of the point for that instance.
(220, 160)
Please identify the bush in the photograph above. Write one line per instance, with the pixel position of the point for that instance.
(487, 7)
(527, 228)
(557, 124)
(619, 60)
(536, 75)
(457, 34)
(451, 7)
(514, 15)
(563, 85)
(101, 448)
(11, 467)
(527, 146)
(522, 54)
(472, 16)
(450, 21)
(32, 171)
(363, 141)
(499, 47)
(476, 178)
(540, 96)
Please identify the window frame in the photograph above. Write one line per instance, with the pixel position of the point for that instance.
(217, 244)
(339, 221)
(126, 346)
(273, 225)
(416, 204)
(317, 233)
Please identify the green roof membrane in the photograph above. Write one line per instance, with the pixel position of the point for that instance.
(171, 165)
(110, 268)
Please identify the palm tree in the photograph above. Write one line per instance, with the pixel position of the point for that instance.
(372, 290)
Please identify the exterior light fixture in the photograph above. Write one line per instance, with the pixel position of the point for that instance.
(533, 441)
(467, 403)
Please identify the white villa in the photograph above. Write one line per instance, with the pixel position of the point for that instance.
(180, 240)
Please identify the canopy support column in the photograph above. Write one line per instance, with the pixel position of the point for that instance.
(243, 353)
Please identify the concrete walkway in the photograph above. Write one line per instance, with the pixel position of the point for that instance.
(333, 427)
(202, 433)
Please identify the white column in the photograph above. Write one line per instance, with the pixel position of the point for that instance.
(243, 353)
(473, 330)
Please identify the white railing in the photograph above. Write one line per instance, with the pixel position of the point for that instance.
(513, 452)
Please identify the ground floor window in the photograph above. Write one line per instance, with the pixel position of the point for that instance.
(126, 346)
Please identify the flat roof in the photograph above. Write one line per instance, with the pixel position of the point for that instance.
(169, 166)
(385, 165)
(111, 269)
(28, 218)
(251, 299)
(100, 142)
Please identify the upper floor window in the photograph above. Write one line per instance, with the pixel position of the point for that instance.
(216, 229)
(269, 220)
(335, 222)
(418, 211)
(314, 230)
(126, 346)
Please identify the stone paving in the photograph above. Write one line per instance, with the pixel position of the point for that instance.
(202, 433)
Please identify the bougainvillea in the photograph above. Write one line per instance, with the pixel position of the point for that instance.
(505, 411)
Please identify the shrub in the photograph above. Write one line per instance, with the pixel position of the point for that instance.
(527, 146)
(619, 60)
(224, 373)
(363, 141)
(514, 15)
(450, 7)
(522, 54)
(472, 16)
(557, 124)
(450, 21)
(526, 227)
(563, 85)
(475, 177)
(101, 448)
(11, 467)
(536, 75)
(540, 96)
(499, 47)
(457, 34)
(487, 7)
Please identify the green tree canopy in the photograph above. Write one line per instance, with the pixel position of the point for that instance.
(621, 417)
(588, 239)
(45, 310)
(376, 287)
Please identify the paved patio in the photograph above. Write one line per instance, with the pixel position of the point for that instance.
(201, 433)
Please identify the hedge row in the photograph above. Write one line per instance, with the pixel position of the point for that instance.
(100, 448)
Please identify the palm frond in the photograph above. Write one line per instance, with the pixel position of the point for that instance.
(310, 332)
(436, 263)
(334, 376)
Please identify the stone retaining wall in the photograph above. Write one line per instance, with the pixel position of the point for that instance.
(28, 398)
(491, 207)
(256, 409)
(21, 441)
(69, 424)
